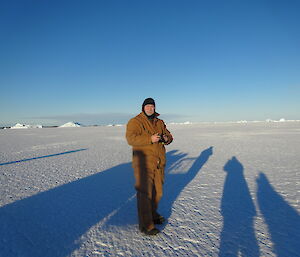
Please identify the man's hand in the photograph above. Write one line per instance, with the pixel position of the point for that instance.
(155, 138)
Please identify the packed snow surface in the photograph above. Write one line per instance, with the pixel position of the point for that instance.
(230, 190)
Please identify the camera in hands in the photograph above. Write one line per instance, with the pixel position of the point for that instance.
(161, 140)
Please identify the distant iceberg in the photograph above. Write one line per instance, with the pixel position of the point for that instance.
(281, 120)
(181, 123)
(71, 124)
(23, 126)
(115, 125)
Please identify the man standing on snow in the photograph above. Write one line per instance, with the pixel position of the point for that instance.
(147, 135)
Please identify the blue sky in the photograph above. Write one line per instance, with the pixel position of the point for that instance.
(96, 61)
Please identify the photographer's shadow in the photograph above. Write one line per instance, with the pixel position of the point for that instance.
(238, 211)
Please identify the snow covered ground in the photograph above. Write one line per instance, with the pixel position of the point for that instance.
(230, 190)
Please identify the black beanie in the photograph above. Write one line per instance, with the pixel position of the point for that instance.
(148, 101)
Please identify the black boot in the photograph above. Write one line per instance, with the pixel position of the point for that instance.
(159, 220)
(151, 232)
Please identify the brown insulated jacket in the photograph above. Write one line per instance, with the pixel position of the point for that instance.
(147, 156)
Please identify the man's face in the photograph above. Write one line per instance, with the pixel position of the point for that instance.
(149, 109)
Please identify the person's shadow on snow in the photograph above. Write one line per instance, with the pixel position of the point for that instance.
(282, 220)
(51, 223)
(238, 211)
(174, 185)
(176, 182)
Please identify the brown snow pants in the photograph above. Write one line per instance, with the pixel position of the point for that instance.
(149, 192)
